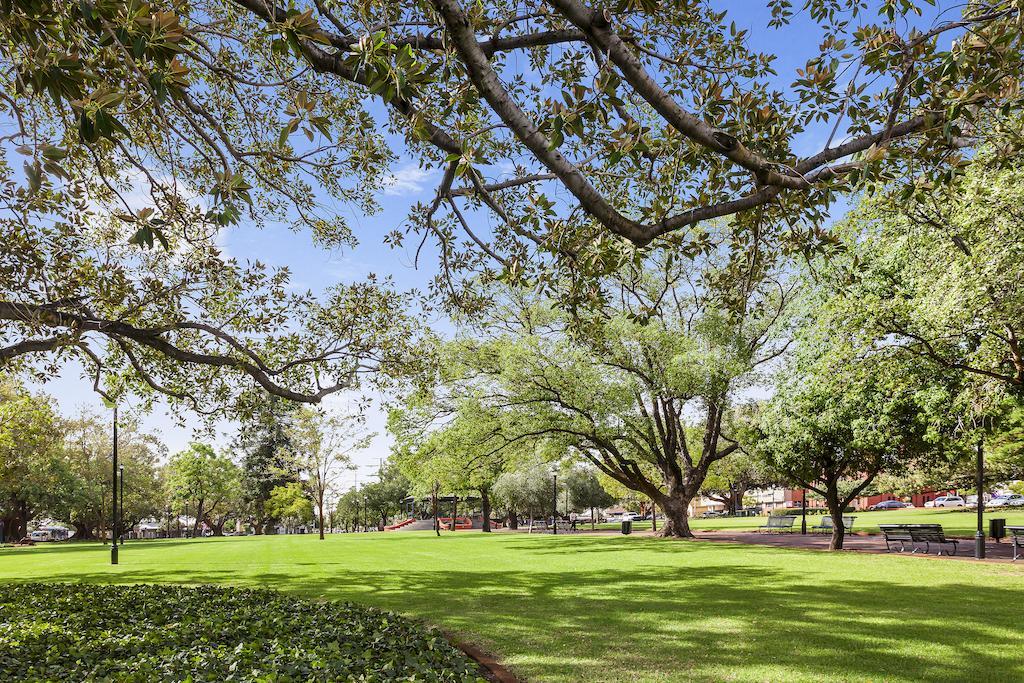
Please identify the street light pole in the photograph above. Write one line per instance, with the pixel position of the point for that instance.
(803, 515)
(113, 512)
(979, 535)
(554, 502)
(120, 510)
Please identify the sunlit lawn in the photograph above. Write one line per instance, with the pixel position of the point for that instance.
(955, 521)
(613, 608)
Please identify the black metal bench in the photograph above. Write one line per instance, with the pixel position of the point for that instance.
(778, 523)
(826, 526)
(896, 533)
(1017, 538)
(931, 533)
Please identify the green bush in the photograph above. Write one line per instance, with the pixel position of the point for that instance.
(70, 632)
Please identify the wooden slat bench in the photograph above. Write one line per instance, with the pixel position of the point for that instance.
(778, 524)
(827, 526)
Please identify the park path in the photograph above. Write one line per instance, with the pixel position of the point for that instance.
(994, 552)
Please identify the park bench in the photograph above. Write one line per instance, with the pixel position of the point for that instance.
(931, 533)
(778, 524)
(564, 526)
(827, 526)
(916, 534)
(539, 525)
(1017, 538)
(896, 533)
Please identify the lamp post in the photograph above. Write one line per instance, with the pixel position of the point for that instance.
(554, 501)
(366, 516)
(113, 512)
(803, 515)
(120, 510)
(979, 535)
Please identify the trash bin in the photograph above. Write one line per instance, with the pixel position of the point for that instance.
(627, 526)
(997, 528)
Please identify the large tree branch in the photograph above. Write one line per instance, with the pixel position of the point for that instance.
(154, 339)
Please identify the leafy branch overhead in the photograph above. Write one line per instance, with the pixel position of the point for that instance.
(579, 131)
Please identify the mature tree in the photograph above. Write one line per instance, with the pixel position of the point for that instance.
(269, 458)
(290, 503)
(348, 511)
(322, 444)
(646, 379)
(448, 443)
(384, 497)
(87, 450)
(836, 422)
(580, 129)
(585, 491)
(208, 483)
(33, 473)
(940, 278)
(730, 479)
(526, 490)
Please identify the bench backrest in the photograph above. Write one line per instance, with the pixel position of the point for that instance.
(896, 532)
(539, 524)
(928, 532)
(781, 521)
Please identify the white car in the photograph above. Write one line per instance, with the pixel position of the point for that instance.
(946, 502)
(630, 516)
(1014, 499)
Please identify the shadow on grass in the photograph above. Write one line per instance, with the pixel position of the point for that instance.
(742, 621)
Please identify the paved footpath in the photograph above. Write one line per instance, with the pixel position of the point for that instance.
(995, 552)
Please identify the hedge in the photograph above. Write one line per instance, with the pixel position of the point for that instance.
(75, 632)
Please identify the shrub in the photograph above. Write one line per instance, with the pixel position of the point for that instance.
(144, 633)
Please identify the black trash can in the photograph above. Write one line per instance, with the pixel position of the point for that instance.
(997, 528)
(627, 526)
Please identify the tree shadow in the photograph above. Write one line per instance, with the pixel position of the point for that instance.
(744, 622)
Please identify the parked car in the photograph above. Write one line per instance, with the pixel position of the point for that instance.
(946, 502)
(40, 536)
(1010, 499)
(630, 517)
(889, 505)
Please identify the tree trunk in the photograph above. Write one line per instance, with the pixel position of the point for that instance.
(485, 507)
(677, 522)
(83, 531)
(654, 516)
(593, 522)
(835, 508)
(433, 505)
(513, 520)
(321, 508)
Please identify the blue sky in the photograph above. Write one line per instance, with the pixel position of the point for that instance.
(316, 268)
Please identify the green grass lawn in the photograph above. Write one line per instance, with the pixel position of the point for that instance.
(613, 608)
(955, 521)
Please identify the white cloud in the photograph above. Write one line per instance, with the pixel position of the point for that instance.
(410, 179)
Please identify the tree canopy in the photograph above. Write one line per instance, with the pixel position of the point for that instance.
(579, 131)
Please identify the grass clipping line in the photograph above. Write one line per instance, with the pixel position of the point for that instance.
(75, 632)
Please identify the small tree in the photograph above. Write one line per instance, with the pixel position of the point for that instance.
(834, 426)
(290, 503)
(210, 484)
(322, 444)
